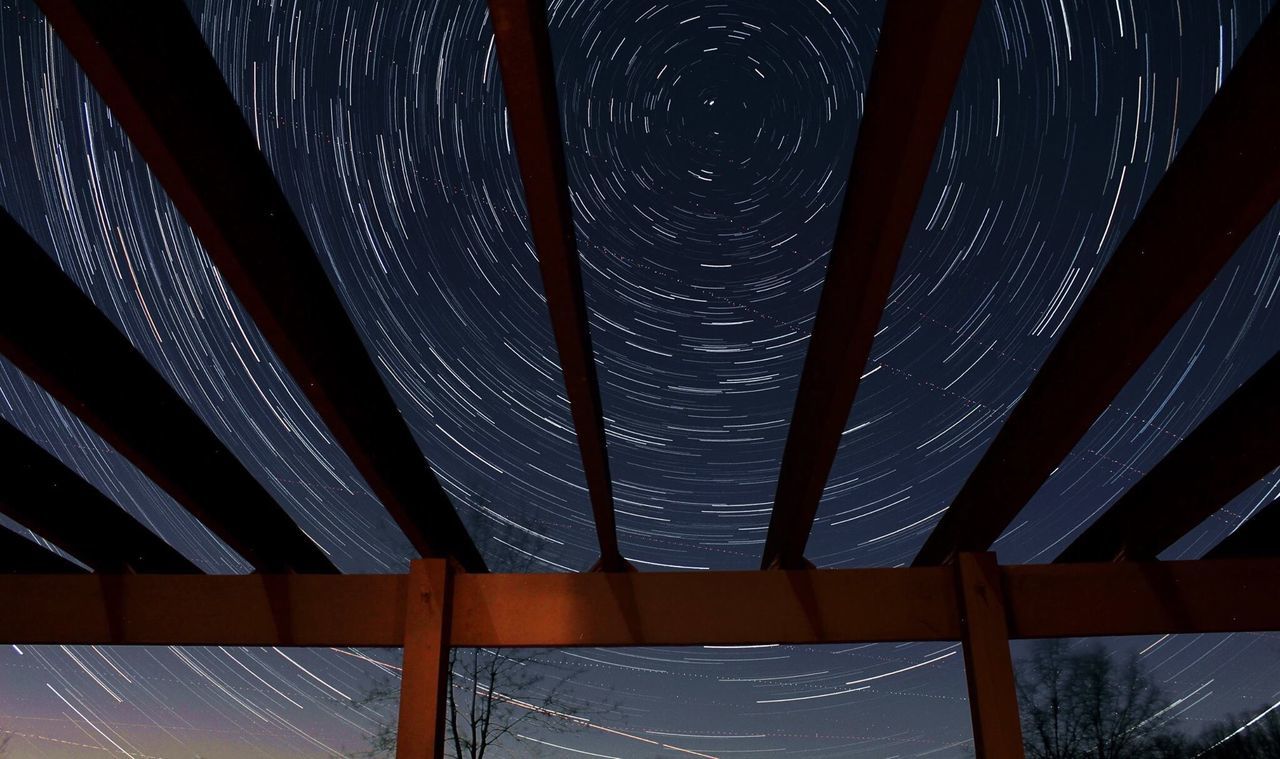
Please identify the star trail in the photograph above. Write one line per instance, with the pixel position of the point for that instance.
(708, 147)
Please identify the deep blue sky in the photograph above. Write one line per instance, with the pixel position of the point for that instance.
(708, 146)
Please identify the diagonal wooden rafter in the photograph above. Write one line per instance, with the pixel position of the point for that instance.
(1258, 537)
(21, 556)
(921, 50)
(52, 332)
(528, 77)
(42, 494)
(151, 66)
(1223, 181)
(1233, 448)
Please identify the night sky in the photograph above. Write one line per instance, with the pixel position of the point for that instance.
(708, 146)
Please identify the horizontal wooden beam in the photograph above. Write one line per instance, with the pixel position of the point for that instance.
(199, 610)
(153, 69)
(1142, 598)
(640, 609)
(705, 608)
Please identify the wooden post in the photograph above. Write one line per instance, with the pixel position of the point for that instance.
(426, 661)
(988, 666)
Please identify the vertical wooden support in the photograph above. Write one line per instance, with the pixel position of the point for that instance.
(426, 661)
(988, 666)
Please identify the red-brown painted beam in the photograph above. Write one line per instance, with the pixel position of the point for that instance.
(292, 610)
(706, 608)
(1223, 181)
(988, 665)
(521, 610)
(528, 78)
(1142, 598)
(1233, 448)
(17, 554)
(151, 66)
(1258, 537)
(423, 688)
(42, 494)
(641, 609)
(52, 332)
(921, 50)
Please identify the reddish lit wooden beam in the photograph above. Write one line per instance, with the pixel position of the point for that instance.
(1224, 180)
(1233, 448)
(52, 332)
(988, 664)
(641, 609)
(525, 610)
(44, 495)
(921, 50)
(267, 610)
(424, 686)
(1258, 537)
(528, 78)
(151, 66)
(1142, 598)
(706, 608)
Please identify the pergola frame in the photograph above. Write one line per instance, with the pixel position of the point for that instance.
(152, 68)
(435, 607)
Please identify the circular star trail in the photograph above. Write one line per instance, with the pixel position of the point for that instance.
(708, 146)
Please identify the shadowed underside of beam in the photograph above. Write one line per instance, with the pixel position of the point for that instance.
(1233, 448)
(152, 68)
(1224, 180)
(528, 77)
(45, 496)
(920, 52)
(52, 332)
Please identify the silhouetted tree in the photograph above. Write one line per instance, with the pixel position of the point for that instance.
(490, 693)
(1081, 704)
(1255, 736)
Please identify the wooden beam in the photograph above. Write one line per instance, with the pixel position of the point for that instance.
(1258, 537)
(640, 609)
(1142, 598)
(988, 665)
(42, 494)
(233, 610)
(489, 610)
(1233, 448)
(17, 554)
(705, 608)
(424, 686)
(52, 332)
(1224, 180)
(528, 78)
(921, 50)
(151, 66)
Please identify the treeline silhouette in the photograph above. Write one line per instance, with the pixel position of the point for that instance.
(1084, 703)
